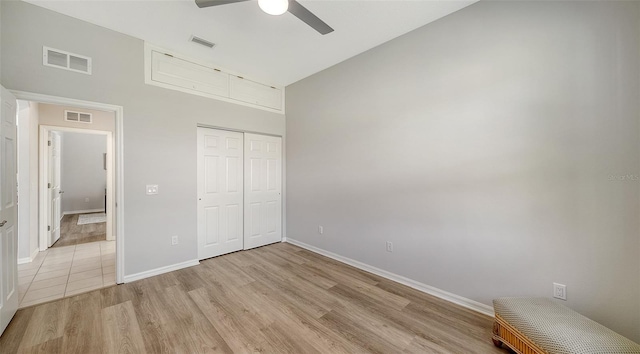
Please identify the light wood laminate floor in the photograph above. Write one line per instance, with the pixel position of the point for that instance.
(274, 299)
(73, 234)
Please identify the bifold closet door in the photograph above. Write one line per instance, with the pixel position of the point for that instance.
(262, 190)
(220, 192)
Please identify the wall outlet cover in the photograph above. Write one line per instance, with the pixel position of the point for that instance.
(560, 291)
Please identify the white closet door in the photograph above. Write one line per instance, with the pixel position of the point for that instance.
(262, 190)
(220, 189)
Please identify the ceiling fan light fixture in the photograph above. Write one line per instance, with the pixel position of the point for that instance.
(274, 7)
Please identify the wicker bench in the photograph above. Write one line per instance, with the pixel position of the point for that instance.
(542, 326)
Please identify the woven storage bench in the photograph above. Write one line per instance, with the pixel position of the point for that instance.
(539, 325)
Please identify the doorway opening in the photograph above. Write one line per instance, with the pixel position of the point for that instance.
(76, 182)
(75, 244)
(80, 166)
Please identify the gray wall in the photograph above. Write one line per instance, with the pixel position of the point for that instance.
(483, 146)
(159, 124)
(82, 171)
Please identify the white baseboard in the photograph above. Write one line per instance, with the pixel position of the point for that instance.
(29, 259)
(34, 253)
(161, 270)
(445, 295)
(83, 211)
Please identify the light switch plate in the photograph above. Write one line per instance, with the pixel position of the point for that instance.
(152, 189)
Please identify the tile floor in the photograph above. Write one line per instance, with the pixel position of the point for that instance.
(66, 271)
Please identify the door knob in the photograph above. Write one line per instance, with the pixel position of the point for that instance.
(2, 223)
(61, 192)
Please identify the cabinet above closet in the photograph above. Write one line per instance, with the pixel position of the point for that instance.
(171, 71)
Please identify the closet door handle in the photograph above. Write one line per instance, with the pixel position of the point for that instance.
(2, 223)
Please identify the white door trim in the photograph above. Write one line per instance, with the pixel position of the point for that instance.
(237, 130)
(117, 161)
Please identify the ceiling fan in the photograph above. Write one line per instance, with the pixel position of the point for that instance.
(278, 7)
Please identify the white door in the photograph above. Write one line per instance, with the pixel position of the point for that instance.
(262, 190)
(54, 187)
(8, 210)
(220, 203)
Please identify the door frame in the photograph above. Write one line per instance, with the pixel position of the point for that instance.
(117, 163)
(43, 170)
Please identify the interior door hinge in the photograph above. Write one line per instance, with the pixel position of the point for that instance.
(48, 185)
(48, 228)
(49, 143)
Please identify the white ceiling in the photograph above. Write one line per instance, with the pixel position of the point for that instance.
(277, 50)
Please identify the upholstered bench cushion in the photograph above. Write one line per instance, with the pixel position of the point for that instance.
(558, 329)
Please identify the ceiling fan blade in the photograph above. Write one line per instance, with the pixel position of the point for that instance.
(207, 3)
(306, 16)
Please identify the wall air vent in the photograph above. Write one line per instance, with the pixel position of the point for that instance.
(64, 60)
(80, 117)
(201, 41)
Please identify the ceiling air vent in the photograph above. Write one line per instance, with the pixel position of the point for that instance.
(201, 41)
(65, 60)
(80, 117)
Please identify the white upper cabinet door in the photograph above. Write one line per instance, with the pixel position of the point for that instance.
(220, 192)
(8, 210)
(181, 73)
(255, 93)
(262, 190)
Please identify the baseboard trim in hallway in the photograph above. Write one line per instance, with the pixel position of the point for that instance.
(445, 295)
(29, 259)
(85, 211)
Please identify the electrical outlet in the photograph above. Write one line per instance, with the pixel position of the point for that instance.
(389, 246)
(152, 189)
(174, 240)
(560, 291)
(320, 230)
